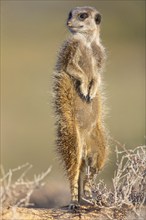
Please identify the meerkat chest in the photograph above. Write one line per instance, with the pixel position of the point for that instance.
(87, 60)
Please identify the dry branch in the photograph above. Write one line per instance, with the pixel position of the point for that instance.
(125, 202)
(17, 193)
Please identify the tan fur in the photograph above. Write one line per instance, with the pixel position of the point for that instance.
(81, 137)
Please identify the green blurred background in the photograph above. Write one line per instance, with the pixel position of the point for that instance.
(31, 34)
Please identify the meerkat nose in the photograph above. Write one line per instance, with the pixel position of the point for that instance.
(69, 23)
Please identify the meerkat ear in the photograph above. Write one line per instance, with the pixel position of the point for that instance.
(97, 18)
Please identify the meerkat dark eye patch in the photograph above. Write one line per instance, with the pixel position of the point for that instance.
(97, 18)
(83, 16)
(70, 15)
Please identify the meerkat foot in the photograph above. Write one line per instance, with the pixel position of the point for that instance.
(74, 205)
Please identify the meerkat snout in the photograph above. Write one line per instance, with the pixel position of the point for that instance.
(69, 24)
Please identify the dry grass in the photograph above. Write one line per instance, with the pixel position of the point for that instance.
(127, 195)
(17, 193)
(129, 182)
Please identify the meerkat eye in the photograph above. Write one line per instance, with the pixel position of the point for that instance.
(83, 16)
(97, 18)
(70, 15)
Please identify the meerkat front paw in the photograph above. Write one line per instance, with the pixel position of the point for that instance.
(93, 89)
(84, 88)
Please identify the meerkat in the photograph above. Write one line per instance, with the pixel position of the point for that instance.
(81, 140)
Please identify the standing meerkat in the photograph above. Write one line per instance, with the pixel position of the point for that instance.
(81, 137)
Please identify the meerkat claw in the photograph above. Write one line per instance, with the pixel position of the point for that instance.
(74, 206)
(88, 98)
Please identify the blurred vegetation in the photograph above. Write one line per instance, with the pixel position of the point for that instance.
(31, 34)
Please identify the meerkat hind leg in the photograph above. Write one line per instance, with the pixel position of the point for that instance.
(74, 204)
(83, 200)
(90, 177)
(74, 185)
(88, 183)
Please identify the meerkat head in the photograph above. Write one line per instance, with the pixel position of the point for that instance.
(85, 20)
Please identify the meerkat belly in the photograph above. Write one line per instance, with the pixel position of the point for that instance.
(86, 114)
(86, 63)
